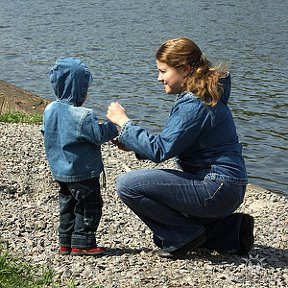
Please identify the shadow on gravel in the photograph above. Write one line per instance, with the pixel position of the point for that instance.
(264, 256)
(122, 251)
(260, 255)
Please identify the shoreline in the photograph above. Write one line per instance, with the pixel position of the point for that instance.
(13, 98)
(29, 220)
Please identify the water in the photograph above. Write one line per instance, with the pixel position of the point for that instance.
(118, 40)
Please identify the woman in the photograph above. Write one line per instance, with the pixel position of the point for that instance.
(191, 207)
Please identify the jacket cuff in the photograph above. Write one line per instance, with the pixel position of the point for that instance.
(124, 127)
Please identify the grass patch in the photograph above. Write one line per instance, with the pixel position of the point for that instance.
(15, 272)
(21, 117)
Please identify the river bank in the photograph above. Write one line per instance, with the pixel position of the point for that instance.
(13, 98)
(29, 219)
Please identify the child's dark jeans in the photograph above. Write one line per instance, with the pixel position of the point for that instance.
(80, 213)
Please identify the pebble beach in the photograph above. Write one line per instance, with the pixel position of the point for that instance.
(29, 220)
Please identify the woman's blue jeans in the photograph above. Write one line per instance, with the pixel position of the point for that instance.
(179, 206)
(80, 213)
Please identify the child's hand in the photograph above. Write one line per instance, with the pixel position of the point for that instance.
(117, 114)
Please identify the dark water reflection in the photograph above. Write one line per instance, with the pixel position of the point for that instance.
(118, 39)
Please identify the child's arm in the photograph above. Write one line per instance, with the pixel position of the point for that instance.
(98, 133)
(108, 130)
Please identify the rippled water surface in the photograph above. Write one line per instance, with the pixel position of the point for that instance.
(118, 40)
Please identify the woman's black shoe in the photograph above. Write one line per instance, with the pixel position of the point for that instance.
(246, 237)
(183, 251)
(157, 241)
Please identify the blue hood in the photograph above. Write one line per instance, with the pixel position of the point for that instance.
(70, 79)
(226, 85)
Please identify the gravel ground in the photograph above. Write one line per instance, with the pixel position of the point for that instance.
(29, 220)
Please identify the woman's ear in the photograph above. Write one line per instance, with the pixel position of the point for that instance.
(187, 70)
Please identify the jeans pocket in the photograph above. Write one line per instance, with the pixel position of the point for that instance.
(224, 198)
(215, 189)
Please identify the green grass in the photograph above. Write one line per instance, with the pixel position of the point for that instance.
(15, 272)
(21, 117)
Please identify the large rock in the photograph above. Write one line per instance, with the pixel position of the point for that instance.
(13, 98)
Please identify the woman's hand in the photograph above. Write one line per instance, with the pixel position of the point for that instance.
(119, 145)
(117, 114)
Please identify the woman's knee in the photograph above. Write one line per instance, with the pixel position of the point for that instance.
(122, 185)
(119, 183)
(126, 185)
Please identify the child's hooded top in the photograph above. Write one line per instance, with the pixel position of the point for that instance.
(72, 134)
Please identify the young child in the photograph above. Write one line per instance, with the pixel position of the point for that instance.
(72, 139)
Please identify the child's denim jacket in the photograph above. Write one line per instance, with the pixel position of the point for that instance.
(72, 134)
(202, 138)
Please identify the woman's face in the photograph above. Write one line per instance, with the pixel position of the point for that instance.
(172, 79)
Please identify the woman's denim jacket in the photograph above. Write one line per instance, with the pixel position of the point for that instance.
(200, 137)
(72, 134)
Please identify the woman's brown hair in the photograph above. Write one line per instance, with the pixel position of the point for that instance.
(203, 79)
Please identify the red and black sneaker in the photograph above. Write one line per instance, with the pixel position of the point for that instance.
(64, 250)
(88, 251)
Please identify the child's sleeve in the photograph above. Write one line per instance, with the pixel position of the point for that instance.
(98, 133)
(108, 130)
